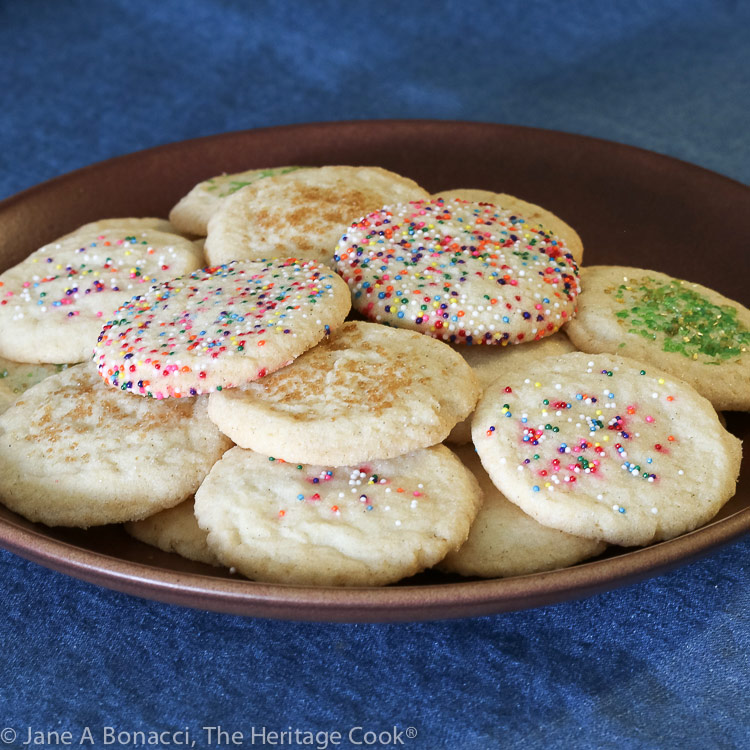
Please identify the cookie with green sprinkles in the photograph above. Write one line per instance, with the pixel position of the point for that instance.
(606, 448)
(193, 211)
(53, 304)
(17, 377)
(219, 327)
(463, 272)
(74, 452)
(367, 524)
(687, 329)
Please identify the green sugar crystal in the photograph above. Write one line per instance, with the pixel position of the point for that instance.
(689, 322)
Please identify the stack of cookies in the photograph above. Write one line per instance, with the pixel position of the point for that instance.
(270, 381)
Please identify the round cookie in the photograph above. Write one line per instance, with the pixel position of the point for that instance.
(361, 525)
(132, 224)
(200, 246)
(74, 452)
(18, 377)
(193, 211)
(175, 530)
(504, 541)
(492, 362)
(462, 272)
(606, 448)
(136, 226)
(365, 392)
(695, 333)
(219, 327)
(302, 214)
(471, 195)
(534, 215)
(53, 304)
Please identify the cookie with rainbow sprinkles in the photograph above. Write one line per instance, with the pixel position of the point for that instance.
(133, 224)
(462, 272)
(368, 524)
(504, 541)
(491, 362)
(606, 448)
(533, 215)
(688, 329)
(219, 327)
(53, 304)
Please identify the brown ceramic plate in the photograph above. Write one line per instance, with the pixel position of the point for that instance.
(630, 206)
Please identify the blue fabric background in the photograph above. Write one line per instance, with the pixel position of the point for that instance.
(662, 664)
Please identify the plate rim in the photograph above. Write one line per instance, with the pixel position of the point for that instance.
(364, 604)
(399, 603)
(336, 124)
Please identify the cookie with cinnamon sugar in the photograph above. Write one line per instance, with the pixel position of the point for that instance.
(302, 214)
(366, 392)
(74, 452)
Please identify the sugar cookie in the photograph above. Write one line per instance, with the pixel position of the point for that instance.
(492, 362)
(504, 541)
(366, 392)
(533, 215)
(219, 327)
(462, 272)
(606, 448)
(74, 452)
(18, 377)
(193, 211)
(302, 214)
(134, 226)
(175, 530)
(53, 304)
(361, 525)
(131, 224)
(693, 332)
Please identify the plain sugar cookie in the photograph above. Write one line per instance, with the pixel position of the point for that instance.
(606, 448)
(303, 214)
(219, 327)
(693, 332)
(458, 271)
(175, 530)
(54, 303)
(504, 541)
(364, 525)
(74, 452)
(367, 391)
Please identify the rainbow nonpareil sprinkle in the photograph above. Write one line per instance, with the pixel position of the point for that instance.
(219, 327)
(566, 436)
(462, 272)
